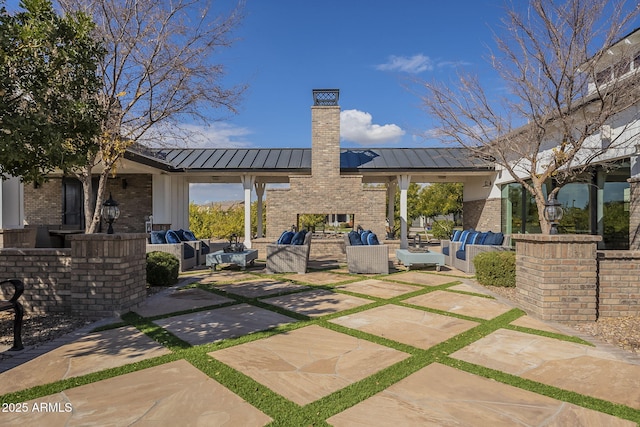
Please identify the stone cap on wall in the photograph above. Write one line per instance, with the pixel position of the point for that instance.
(557, 238)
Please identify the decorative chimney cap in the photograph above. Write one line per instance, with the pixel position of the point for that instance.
(325, 97)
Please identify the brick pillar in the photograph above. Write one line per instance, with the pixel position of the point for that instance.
(556, 276)
(108, 273)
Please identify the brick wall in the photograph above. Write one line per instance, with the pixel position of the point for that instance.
(618, 283)
(482, 215)
(43, 205)
(556, 276)
(101, 275)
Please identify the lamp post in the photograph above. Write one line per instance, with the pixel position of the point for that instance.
(110, 212)
(553, 213)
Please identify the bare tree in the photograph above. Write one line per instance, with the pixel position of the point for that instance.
(558, 106)
(159, 71)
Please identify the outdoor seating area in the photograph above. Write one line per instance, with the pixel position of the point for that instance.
(464, 245)
(182, 244)
(366, 259)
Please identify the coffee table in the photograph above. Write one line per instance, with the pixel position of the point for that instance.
(409, 258)
(243, 258)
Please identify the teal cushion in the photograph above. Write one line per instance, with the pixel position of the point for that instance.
(172, 237)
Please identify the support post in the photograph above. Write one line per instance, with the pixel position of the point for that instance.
(259, 193)
(403, 183)
(248, 182)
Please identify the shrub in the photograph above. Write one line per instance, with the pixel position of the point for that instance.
(162, 269)
(442, 230)
(496, 268)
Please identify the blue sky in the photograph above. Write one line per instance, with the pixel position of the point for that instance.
(371, 50)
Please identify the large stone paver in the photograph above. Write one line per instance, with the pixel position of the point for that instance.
(468, 305)
(179, 300)
(533, 323)
(308, 363)
(171, 394)
(319, 278)
(566, 365)
(378, 288)
(227, 322)
(421, 278)
(438, 395)
(91, 353)
(260, 287)
(318, 302)
(406, 325)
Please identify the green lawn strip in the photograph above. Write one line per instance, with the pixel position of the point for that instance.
(473, 294)
(548, 334)
(59, 386)
(280, 409)
(589, 402)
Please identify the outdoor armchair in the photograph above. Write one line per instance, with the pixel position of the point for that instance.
(287, 258)
(367, 259)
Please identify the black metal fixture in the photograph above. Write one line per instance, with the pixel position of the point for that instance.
(325, 97)
(553, 213)
(110, 212)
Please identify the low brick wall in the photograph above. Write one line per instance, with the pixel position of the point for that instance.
(100, 276)
(618, 283)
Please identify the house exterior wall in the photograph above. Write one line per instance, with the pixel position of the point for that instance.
(43, 205)
(483, 215)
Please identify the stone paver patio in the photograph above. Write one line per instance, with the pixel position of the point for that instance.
(405, 354)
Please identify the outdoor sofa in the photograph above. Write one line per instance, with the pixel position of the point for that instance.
(366, 259)
(287, 257)
(464, 246)
(183, 245)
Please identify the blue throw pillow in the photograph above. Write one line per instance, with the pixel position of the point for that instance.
(298, 238)
(481, 238)
(467, 239)
(172, 237)
(499, 238)
(364, 236)
(158, 237)
(490, 238)
(354, 238)
(456, 235)
(188, 235)
(285, 238)
(180, 234)
(372, 239)
(461, 255)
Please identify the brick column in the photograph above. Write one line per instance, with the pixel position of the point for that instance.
(325, 141)
(556, 276)
(108, 273)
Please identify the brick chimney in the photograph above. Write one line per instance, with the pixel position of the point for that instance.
(325, 133)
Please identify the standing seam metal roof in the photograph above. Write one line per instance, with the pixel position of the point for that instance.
(299, 159)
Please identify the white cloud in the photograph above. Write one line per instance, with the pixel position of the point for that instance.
(214, 135)
(414, 64)
(357, 126)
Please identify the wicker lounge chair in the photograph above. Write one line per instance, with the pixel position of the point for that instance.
(367, 259)
(289, 258)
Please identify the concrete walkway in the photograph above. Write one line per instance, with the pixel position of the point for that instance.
(410, 348)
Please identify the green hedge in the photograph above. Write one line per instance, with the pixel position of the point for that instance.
(162, 269)
(496, 268)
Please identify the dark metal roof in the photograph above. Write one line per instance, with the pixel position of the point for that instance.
(299, 159)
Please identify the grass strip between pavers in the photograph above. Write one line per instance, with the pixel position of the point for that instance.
(287, 413)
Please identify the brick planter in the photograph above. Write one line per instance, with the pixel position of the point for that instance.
(556, 276)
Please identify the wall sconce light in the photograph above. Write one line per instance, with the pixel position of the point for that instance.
(125, 184)
(487, 184)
